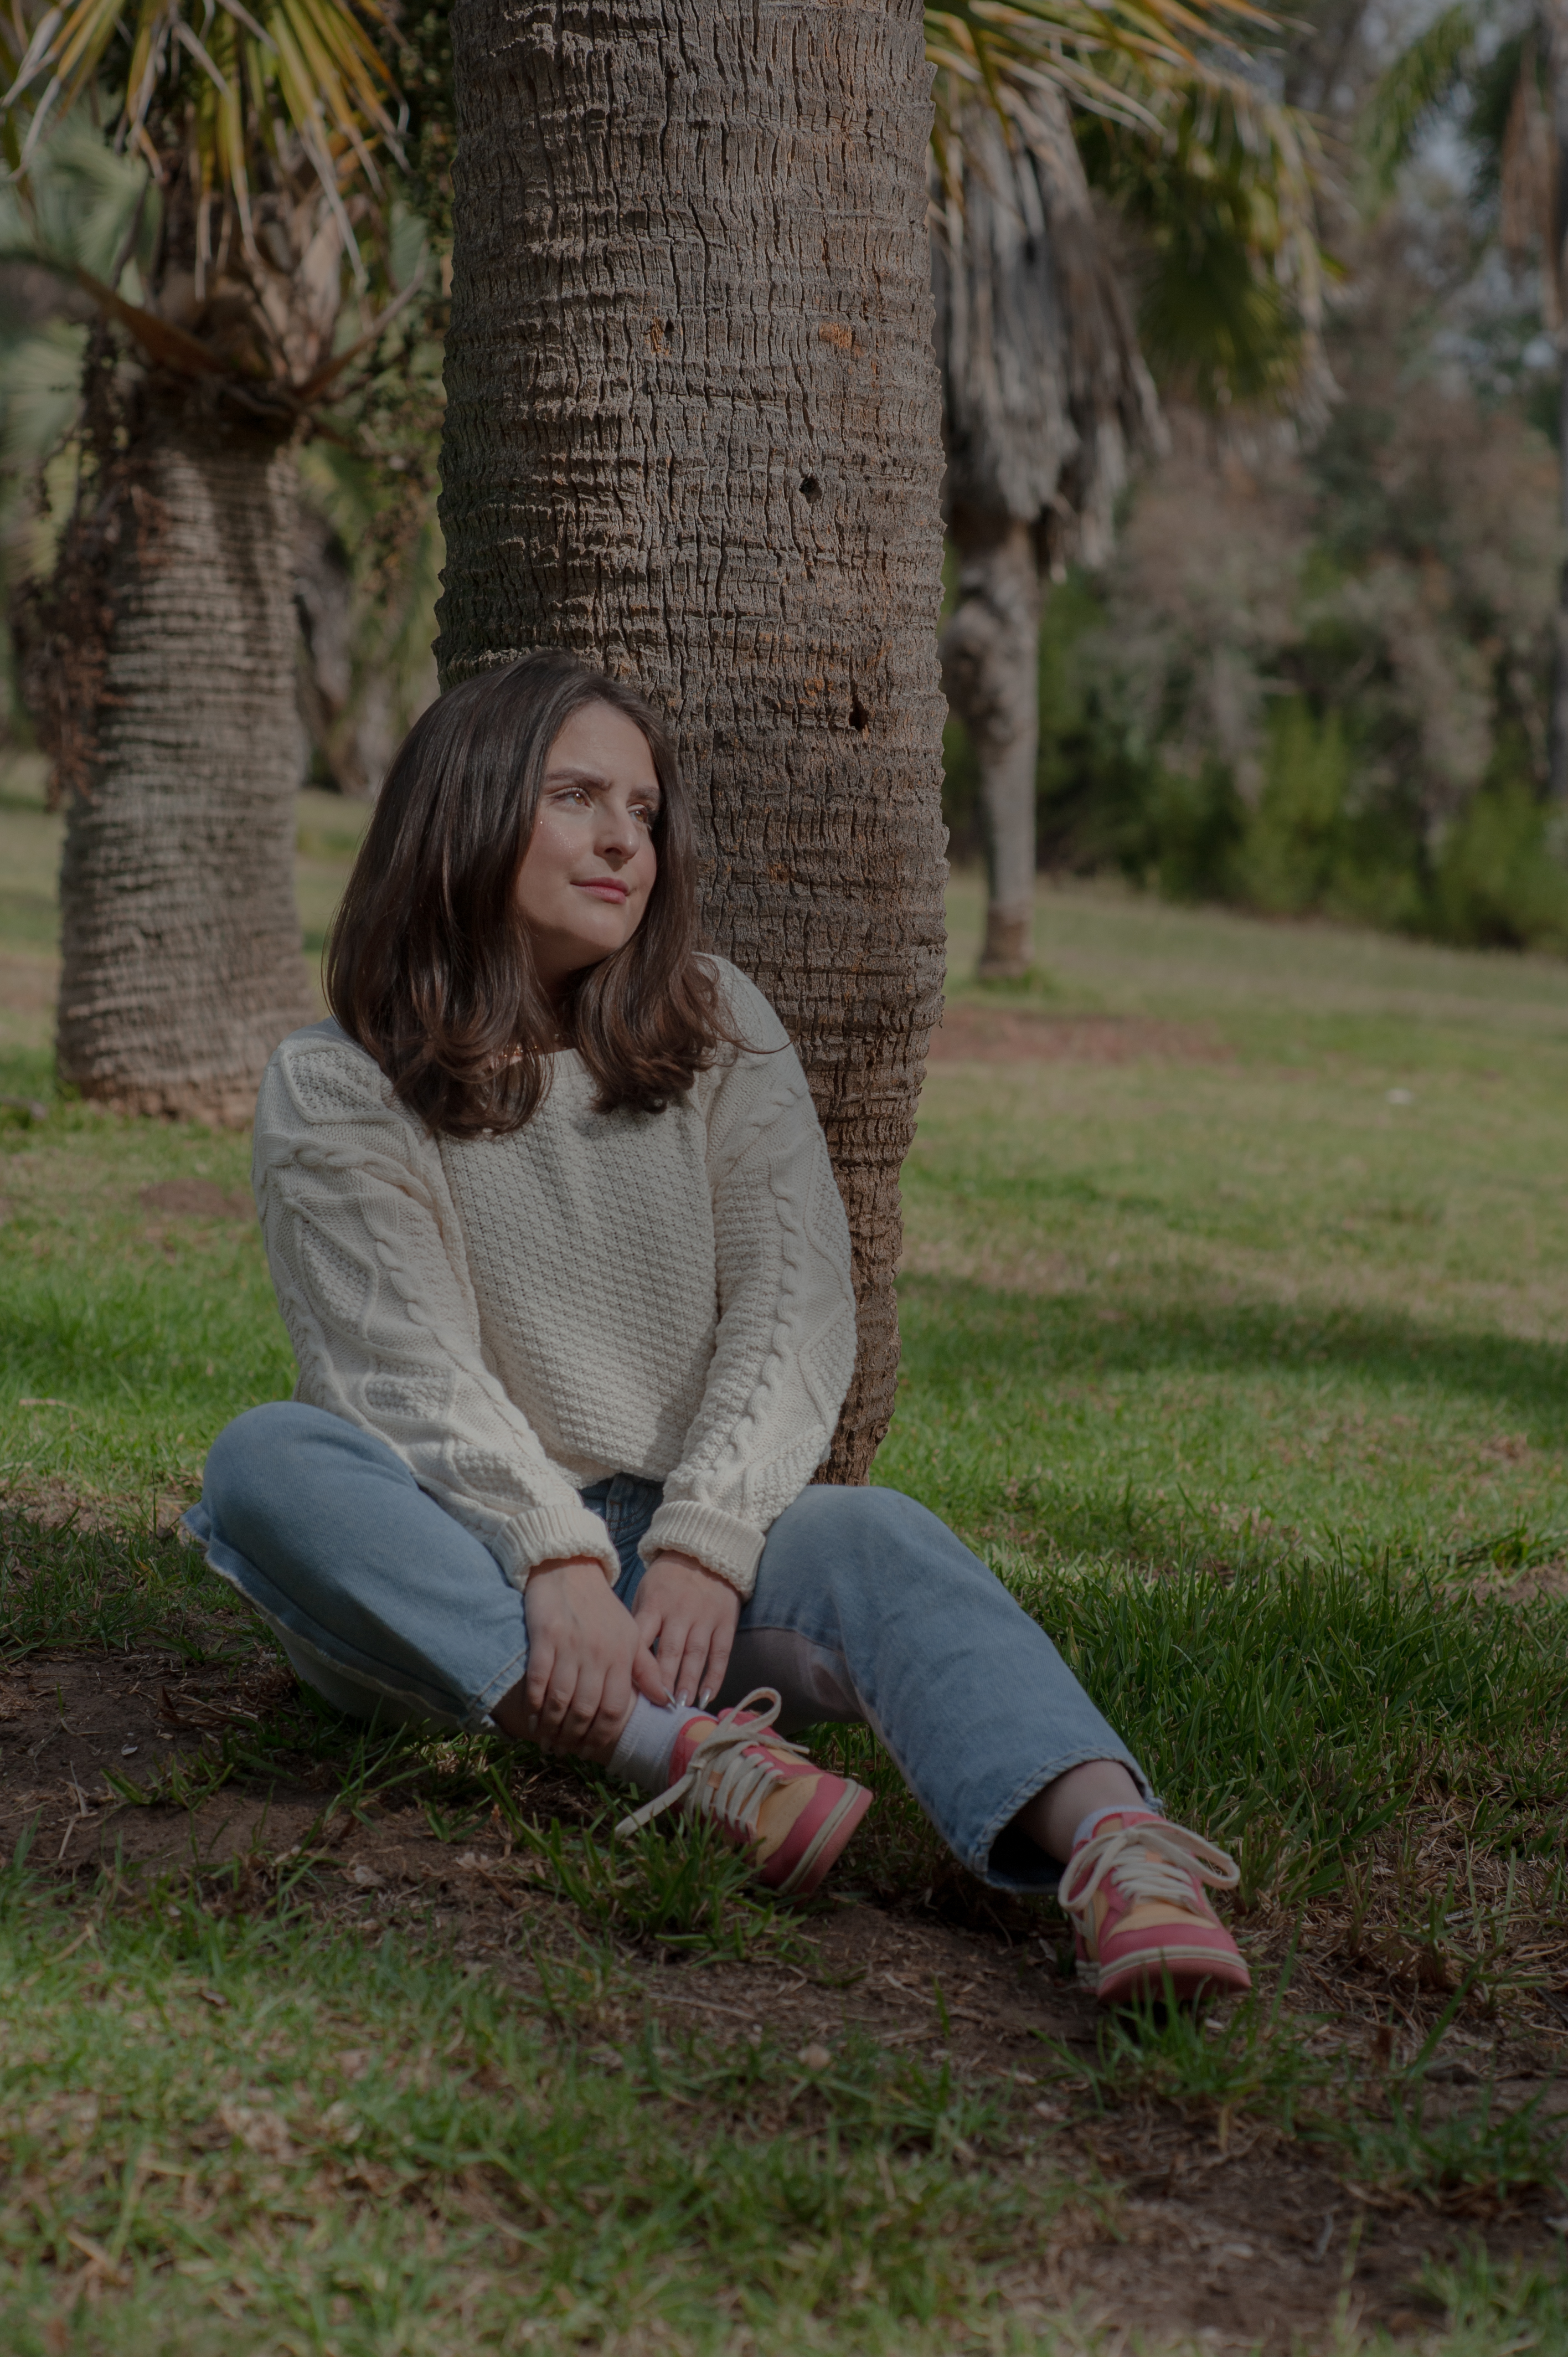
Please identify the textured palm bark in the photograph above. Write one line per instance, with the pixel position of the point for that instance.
(693, 432)
(181, 947)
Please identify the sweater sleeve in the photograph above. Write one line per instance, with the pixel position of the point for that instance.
(784, 1350)
(366, 1254)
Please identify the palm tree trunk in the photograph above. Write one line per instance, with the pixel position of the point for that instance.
(1044, 396)
(991, 669)
(181, 944)
(692, 432)
(1557, 739)
(1554, 261)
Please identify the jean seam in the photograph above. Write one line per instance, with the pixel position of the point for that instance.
(405, 1692)
(377, 1678)
(491, 1693)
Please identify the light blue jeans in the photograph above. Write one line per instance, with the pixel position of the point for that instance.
(866, 1608)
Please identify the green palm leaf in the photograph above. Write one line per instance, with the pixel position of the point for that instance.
(1425, 74)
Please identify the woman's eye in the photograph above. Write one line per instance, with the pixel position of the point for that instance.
(646, 816)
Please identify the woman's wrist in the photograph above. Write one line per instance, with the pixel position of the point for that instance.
(684, 1562)
(571, 1563)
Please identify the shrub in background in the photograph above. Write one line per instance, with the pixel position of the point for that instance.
(1316, 680)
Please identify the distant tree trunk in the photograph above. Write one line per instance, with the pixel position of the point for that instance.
(1557, 736)
(990, 661)
(1045, 397)
(170, 696)
(1555, 270)
(691, 431)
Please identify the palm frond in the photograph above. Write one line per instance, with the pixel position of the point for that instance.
(311, 66)
(1096, 56)
(1222, 179)
(1423, 77)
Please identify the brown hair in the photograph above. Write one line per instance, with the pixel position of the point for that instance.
(428, 965)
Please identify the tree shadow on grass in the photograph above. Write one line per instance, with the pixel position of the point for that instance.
(971, 1356)
(959, 1333)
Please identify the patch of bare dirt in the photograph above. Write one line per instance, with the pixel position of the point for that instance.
(197, 1199)
(1527, 1586)
(1226, 2231)
(54, 1504)
(972, 1032)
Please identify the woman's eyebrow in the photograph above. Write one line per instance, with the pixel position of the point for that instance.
(566, 774)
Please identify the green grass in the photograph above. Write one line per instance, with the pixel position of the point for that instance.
(1240, 1358)
(243, 2136)
(138, 1336)
(1160, 1309)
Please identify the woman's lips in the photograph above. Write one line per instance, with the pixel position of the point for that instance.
(605, 887)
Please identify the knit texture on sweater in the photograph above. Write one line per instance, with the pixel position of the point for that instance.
(666, 1295)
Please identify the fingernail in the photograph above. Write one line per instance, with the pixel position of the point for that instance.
(704, 1698)
(683, 1702)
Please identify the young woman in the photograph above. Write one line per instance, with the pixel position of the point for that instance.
(556, 1239)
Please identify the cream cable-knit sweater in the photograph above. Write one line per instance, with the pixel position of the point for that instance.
(666, 1295)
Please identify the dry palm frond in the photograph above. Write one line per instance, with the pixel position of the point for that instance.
(1110, 60)
(1528, 179)
(302, 71)
(1222, 179)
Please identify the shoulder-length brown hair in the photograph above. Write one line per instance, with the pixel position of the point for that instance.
(428, 964)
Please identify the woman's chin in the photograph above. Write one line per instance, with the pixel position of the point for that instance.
(593, 945)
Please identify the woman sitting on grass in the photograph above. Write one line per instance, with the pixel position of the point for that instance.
(556, 1238)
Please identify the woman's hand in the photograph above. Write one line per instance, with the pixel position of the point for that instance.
(687, 1617)
(586, 1657)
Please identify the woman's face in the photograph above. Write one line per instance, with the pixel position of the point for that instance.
(590, 863)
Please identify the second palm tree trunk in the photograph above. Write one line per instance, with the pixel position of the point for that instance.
(173, 716)
(991, 669)
(692, 432)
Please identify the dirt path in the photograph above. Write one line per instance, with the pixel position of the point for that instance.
(973, 1031)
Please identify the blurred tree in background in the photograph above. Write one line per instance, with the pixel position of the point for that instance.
(255, 238)
(1317, 674)
(1048, 399)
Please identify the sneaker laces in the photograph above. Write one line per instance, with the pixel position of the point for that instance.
(722, 1780)
(1151, 1861)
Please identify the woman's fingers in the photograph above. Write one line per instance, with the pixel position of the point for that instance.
(670, 1650)
(614, 1702)
(583, 1707)
(721, 1641)
(650, 1679)
(536, 1683)
(556, 1703)
(689, 1682)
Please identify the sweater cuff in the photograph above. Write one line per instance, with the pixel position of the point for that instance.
(549, 1534)
(720, 1543)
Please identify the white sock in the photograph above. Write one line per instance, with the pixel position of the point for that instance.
(1086, 1825)
(647, 1741)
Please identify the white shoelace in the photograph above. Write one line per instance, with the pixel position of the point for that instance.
(720, 1781)
(1150, 1861)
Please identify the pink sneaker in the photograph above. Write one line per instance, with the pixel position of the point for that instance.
(763, 1794)
(1143, 1926)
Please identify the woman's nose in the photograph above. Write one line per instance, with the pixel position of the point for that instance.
(618, 835)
